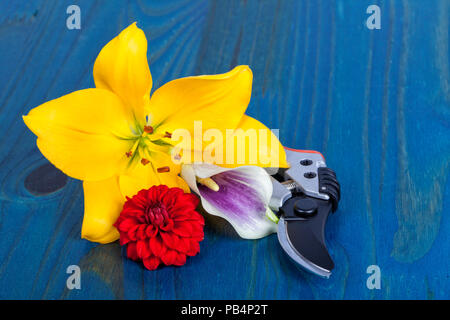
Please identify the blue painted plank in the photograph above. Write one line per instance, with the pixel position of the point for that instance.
(375, 103)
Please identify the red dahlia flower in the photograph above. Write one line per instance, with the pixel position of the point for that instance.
(160, 225)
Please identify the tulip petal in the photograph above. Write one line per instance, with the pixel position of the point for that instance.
(177, 104)
(102, 206)
(242, 199)
(79, 133)
(122, 67)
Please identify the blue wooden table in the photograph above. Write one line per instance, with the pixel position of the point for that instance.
(376, 103)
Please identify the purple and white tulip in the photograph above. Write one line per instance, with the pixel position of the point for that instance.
(239, 195)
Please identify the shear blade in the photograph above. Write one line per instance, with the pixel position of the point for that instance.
(304, 247)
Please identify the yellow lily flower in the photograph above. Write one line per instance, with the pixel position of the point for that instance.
(118, 140)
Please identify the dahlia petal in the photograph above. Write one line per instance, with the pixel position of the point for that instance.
(189, 216)
(180, 259)
(197, 231)
(157, 247)
(199, 218)
(151, 231)
(170, 239)
(140, 233)
(168, 226)
(155, 194)
(183, 245)
(187, 202)
(142, 249)
(131, 207)
(242, 199)
(139, 200)
(169, 257)
(152, 262)
(131, 251)
(132, 232)
(182, 216)
(190, 201)
(194, 248)
(193, 199)
(126, 224)
(182, 228)
(173, 196)
(124, 239)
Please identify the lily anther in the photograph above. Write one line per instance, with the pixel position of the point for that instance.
(147, 143)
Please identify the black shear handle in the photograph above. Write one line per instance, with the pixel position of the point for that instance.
(305, 220)
(329, 185)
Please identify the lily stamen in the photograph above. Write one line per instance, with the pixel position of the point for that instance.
(148, 129)
(145, 161)
(163, 169)
(208, 182)
(168, 135)
(133, 149)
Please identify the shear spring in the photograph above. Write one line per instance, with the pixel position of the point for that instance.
(290, 184)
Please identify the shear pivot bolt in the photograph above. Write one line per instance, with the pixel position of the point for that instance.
(305, 207)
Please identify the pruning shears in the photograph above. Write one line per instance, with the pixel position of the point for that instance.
(304, 195)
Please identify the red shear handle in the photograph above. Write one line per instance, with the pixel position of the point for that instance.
(305, 151)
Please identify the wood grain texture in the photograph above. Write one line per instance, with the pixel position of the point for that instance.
(375, 103)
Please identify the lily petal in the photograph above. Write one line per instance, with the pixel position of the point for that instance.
(144, 176)
(177, 104)
(122, 67)
(265, 150)
(103, 203)
(80, 133)
(242, 199)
